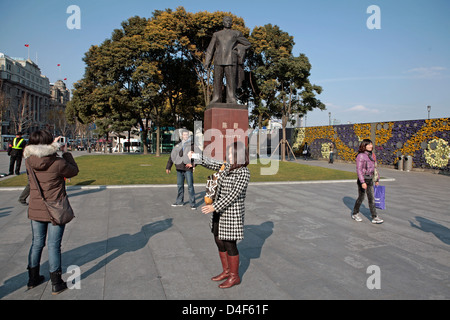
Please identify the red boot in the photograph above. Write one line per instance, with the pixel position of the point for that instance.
(233, 278)
(226, 269)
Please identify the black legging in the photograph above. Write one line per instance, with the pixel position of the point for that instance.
(370, 197)
(223, 245)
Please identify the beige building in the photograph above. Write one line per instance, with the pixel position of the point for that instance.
(60, 95)
(24, 96)
(28, 101)
(56, 116)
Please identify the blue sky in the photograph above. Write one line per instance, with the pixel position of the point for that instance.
(385, 74)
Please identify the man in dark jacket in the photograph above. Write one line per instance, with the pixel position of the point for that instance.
(185, 169)
(15, 151)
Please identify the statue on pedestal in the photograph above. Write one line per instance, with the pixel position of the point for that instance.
(227, 47)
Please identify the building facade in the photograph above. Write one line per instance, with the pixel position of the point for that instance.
(28, 101)
(60, 95)
(24, 96)
(56, 121)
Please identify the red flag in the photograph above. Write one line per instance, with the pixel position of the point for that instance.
(58, 64)
(27, 45)
(65, 78)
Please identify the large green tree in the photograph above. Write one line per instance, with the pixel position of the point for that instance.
(280, 80)
(122, 85)
(152, 69)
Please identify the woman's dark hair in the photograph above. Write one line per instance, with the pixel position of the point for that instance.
(41, 137)
(240, 155)
(363, 145)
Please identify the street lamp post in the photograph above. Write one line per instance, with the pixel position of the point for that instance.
(329, 118)
(429, 109)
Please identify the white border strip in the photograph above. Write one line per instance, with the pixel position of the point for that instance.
(136, 186)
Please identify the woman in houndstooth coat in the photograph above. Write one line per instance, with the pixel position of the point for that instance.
(228, 210)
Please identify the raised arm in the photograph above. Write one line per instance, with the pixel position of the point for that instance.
(209, 163)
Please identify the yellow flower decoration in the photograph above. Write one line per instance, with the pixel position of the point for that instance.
(438, 153)
(362, 130)
(383, 132)
(325, 150)
(425, 133)
(327, 132)
(418, 135)
(299, 139)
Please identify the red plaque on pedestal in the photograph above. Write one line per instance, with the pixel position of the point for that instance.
(224, 124)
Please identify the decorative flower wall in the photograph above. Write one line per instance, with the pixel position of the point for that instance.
(426, 141)
(438, 153)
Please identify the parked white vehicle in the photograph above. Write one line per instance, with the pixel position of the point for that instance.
(134, 147)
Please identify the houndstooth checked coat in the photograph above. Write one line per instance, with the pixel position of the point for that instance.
(230, 198)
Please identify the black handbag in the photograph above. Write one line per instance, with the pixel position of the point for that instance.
(60, 211)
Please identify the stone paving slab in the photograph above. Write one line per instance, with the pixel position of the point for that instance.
(300, 243)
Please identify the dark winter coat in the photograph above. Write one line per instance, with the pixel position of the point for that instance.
(179, 156)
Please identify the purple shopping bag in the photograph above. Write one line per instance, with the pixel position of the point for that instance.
(380, 197)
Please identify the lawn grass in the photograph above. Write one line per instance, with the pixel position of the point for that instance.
(149, 169)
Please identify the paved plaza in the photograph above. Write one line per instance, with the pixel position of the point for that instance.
(300, 243)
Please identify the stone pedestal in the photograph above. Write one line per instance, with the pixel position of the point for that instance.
(224, 123)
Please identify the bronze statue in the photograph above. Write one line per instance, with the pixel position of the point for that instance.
(228, 49)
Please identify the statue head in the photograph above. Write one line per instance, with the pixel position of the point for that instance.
(227, 22)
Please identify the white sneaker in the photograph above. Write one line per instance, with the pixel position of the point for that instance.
(377, 220)
(357, 217)
(177, 205)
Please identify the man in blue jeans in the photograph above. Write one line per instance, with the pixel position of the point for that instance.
(185, 169)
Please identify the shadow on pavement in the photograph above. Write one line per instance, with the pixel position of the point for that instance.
(92, 251)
